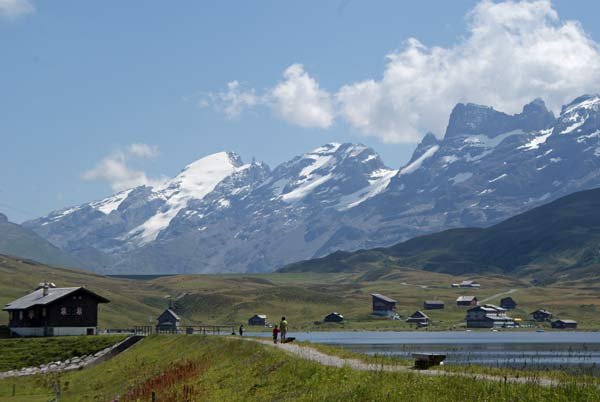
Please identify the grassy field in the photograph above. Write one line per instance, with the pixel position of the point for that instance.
(19, 353)
(198, 368)
(129, 304)
(304, 298)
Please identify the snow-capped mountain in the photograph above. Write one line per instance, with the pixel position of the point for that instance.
(221, 215)
(218, 211)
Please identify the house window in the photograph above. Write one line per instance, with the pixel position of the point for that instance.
(20, 315)
(44, 312)
(31, 314)
(10, 315)
(79, 311)
(63, 311)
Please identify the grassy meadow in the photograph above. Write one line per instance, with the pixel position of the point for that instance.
(304, 298)
(205, 368)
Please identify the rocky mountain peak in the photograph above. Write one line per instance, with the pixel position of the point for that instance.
(583, 101)
(3, 218)
(473, 119)
(581, 115)
(535, 116)
(426, 143)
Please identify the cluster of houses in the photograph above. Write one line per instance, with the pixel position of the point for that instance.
(478, 315)
(52, 311)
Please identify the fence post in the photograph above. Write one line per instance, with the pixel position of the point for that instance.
(153, 396)
(14, 390)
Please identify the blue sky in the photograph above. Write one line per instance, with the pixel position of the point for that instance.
(83, 81)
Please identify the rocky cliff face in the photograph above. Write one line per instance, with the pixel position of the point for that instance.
(221, 215)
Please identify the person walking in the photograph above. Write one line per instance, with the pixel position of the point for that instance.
(242, 330)
(283, 327)
(275, 333)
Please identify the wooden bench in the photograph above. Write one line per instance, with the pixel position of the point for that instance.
(425, 360)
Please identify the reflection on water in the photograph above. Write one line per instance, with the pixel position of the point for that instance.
(555, 350)
(558, 356)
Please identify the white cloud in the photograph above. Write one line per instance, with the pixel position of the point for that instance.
(232, 102)
(299, 100)
(15, 8)
(142, 150)
(115, 168)
(512, 53)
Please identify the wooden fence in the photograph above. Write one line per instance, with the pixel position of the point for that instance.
(201, 329)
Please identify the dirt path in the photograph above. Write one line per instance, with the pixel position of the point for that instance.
(498, 295)
(314, 355)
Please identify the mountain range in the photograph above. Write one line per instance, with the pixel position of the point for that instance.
(558, 240)
(222, 215)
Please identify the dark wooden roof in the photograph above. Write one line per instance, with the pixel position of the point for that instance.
(382, 297)
(37, 298)
(171, 313)
(419, 314)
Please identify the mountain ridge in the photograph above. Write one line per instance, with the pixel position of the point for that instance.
(558, 239)
(20, 242)
(489, 166)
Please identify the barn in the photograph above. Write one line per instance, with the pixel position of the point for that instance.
(383, 305)
(333, 317)
(419, 318)
(53, 311)
(564, 324)
(466, 301)
(541, 315)
(258, 320)
(508, 303)
(433, 305)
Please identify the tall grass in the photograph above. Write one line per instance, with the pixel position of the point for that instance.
(228, 369)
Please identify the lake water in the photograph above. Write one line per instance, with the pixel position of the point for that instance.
(572, 351)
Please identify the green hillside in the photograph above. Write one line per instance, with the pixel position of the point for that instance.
(304, 298)
(210, 368)
(18, 241)
(130, 303)
(554, 241)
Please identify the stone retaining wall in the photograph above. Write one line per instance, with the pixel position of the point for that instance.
(75, 363)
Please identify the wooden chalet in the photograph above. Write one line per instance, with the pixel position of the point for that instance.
(508, 303)
(333, 317)
(419, 318)
(488, 316)
(53, 311)
(433, 305)
(541, 315)
(564, 324)
(258, 320)
(466, 301)
(383, 305)
(168, 321)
